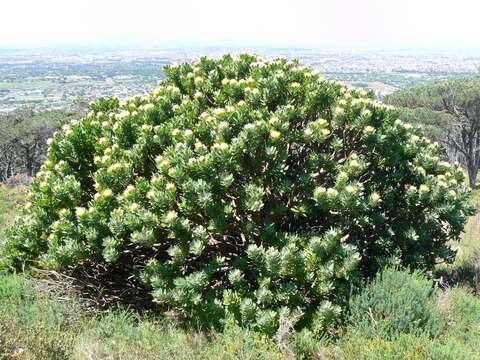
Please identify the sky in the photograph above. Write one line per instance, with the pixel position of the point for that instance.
(301, 23)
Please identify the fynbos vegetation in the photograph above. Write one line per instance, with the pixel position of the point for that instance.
(242, 189)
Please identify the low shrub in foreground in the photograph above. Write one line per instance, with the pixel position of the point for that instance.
(242, 189)
(396, 302)
(457, 310)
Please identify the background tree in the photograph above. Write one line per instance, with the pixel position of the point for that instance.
(451, 112)
(23, 140)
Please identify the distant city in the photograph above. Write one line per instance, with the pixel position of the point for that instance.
(56, 79)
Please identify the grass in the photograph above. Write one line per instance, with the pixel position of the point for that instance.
(471, 239)
(465, 270)
(10, 198)
(34, 325)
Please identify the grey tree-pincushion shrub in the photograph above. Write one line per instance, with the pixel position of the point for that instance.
(242, 189)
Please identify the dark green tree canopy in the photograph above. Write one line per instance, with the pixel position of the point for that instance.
(451, 112)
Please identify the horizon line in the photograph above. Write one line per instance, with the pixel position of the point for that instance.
(198, 44)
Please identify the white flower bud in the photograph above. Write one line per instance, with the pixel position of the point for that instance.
(275, 135)
(171, 216)
(424, 188)
(223, 125)
(107, 193)
(319, 192)
(80, 212)
(332, 193)
(134, 207)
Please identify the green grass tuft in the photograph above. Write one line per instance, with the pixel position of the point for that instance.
(10, 198)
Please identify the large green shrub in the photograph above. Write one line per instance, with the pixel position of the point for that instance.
(242, 188)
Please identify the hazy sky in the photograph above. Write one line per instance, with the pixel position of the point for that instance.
(341, 23)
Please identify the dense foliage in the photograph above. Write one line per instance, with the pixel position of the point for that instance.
(242, 189)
